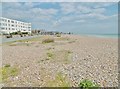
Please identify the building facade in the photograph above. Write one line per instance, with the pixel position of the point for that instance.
(8, 26)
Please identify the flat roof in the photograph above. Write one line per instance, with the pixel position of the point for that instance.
(14, 20)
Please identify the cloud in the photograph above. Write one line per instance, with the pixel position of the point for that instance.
(83, 9)
(26, 10)
(102, 5)
(98, 10)
(29, 4)
(80, 21)
(44, 11)
(67, 8)
(11, 5)
(89, 12)
(80, 7)
(60, 0)
(59, 15)
(9, 0)
(29, 13)
(95, 16)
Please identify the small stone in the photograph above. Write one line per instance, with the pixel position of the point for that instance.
(73, 67)
(38, 78)
(16, 77)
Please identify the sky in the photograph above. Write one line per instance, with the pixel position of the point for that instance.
(76, 17)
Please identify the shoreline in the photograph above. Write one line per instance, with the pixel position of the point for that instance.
(99, 36)
(30, 37)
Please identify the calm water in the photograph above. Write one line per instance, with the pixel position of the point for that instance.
(108, 36)
(103, 35)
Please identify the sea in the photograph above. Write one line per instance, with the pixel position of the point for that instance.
(116, 36)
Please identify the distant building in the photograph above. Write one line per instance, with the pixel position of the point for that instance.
(9, 26)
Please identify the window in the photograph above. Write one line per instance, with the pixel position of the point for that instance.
(9, 28)
(3, 24)
(13, 29)
(12, 21)
(8, 20)
(2, 28)
(2, 19)
(12, 25)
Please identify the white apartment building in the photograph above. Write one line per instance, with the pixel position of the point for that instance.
(9, 26)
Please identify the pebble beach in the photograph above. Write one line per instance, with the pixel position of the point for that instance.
(73, 57)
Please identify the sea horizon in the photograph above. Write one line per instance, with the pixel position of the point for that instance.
(99, 35)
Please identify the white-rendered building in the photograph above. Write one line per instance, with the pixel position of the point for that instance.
(9, 26)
